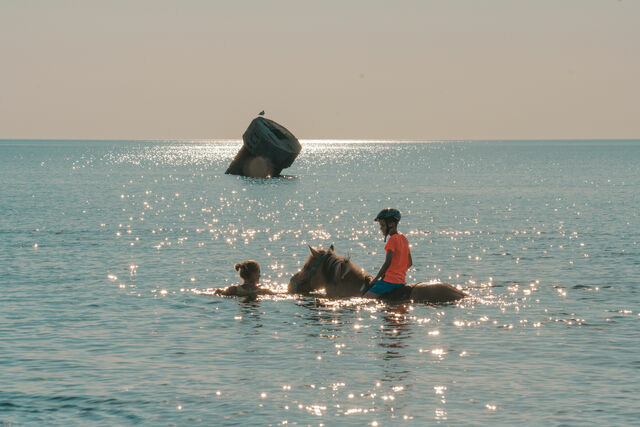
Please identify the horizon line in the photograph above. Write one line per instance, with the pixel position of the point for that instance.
(320, 140)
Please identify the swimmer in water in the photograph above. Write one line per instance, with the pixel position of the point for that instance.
(249, 272)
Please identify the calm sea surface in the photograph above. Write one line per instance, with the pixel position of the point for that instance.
(109, 251)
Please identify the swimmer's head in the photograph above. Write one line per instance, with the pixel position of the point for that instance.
(249, 270)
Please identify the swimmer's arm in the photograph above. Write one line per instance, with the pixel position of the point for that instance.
(385, 266)
(231, 290)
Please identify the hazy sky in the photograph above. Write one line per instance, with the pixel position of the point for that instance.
(326, 69)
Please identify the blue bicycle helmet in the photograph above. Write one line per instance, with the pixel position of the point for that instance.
(389, 213)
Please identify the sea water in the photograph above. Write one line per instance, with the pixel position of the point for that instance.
(109, 251)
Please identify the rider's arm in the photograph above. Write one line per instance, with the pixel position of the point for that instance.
(385, 266)
(410, 259)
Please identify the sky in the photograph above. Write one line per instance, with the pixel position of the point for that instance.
(359, 69)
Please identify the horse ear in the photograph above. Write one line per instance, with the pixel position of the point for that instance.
(331, 248)
(313, 251)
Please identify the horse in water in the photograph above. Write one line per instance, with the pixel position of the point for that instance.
(340, 278)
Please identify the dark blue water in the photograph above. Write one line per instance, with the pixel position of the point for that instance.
(109, 251)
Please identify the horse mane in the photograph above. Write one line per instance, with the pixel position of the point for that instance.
(338, 268)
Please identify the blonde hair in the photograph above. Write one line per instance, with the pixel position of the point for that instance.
(246, 268)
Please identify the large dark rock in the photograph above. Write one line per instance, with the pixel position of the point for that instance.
(268, 148)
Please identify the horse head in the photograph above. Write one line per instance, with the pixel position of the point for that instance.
(324, 269)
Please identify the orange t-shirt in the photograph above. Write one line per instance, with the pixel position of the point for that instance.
(396, 272)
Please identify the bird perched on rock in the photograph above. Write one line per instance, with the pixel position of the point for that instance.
(261, 113)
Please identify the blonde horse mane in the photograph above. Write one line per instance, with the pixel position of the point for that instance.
(338, 269)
